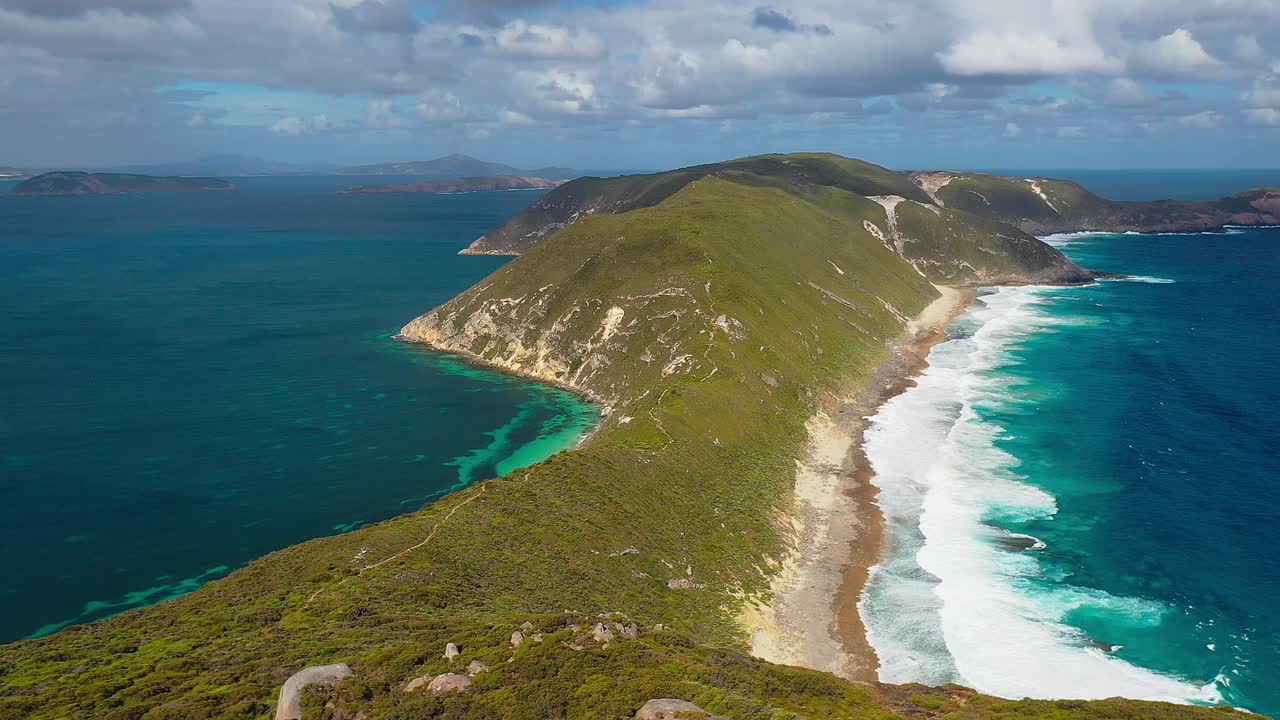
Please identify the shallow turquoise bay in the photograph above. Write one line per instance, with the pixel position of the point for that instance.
(188, 382)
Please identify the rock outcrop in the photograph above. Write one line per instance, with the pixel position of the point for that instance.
(672, 709)
(289, 706)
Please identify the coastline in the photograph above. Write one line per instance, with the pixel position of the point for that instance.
(836, 528)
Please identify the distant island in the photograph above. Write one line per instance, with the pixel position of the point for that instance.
(460, 185)
(83, 183)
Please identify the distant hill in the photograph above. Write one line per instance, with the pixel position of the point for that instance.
(456, 166)
(226, 165)
(460, 185)
(82, 183)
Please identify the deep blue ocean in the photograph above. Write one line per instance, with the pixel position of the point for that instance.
(1081, 491)
(190, 381)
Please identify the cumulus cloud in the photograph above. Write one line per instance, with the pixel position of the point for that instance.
(1266, 117)
(520, 39)
(295, 125)
(1015, 54)
(1179, 54)
(1127, 93)
(382, 115)
(441, 109)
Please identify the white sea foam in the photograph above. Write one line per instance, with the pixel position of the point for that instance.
(1064, 239)
(948, 602)
(1140, 279)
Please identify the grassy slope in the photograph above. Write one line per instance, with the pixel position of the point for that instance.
(797, 173)
(691, 481)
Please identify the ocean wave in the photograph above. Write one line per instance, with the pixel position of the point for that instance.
(1059, 240)
(949, 602)
(1140, 279)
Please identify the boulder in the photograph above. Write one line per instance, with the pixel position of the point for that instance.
(449, 682)
(439, 684)
(418, 682)
(451, 651)
(672, 709)
(290, 705)
(527, 626)
(601, 634)
(517, 639)
(476, 667)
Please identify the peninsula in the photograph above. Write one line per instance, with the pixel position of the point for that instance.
(1037, 206)
(460, 185)
(734, 325)
(82, 183)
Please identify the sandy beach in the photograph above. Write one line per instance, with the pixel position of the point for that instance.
(811, 619)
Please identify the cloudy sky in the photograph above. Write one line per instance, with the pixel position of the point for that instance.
(643, 83)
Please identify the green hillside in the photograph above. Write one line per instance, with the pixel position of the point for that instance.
(711, 325)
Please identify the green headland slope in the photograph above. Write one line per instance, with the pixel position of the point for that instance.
(710, 325)
(1034, 206)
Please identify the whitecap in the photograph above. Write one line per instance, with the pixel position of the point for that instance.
(1140, 279)
(947, 603)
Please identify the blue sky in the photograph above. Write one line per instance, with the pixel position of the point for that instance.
(645, 83)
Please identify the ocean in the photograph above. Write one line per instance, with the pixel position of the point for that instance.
(1080, 491)
(191, 381)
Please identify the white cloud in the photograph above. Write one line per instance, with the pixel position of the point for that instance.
(512, 117)
(1265, 92)
(1127, 93)
(1072, 131)
(1203, 120)
(289, 126)
(381, 115)
(1179, 54)
(1017, 53)
(441, 109)
(1012, 130)
(1266, 117)
(295, 125)
(534, 40)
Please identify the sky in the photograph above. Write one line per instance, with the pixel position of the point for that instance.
(643, 84)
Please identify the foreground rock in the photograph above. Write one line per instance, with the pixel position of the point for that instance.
(439, 684)
(672, 709)
(290, 705)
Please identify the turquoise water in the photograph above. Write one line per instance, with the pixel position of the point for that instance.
(188, 382)
(1081, 491)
